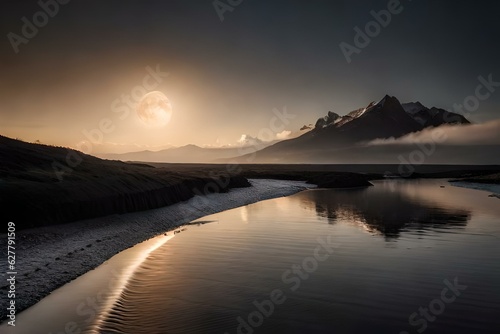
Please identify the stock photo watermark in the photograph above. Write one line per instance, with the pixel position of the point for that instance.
(487, 86)
(88, 309)
(11, 273)
(292, 280)
(121, 106)
(277, 124)
(436, 306)
(372, 29)
(483, 91)
(31, 27)
(223, 6)
(417, 157)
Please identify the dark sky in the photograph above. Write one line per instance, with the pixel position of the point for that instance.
(227, 76)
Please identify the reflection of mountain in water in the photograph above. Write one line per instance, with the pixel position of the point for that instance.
(383, 210)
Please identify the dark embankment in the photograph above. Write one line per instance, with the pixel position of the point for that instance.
(321, 179)
(44, 185)
(484, 179)
(344, 175)
(320, 175)
(462, 173)
(376, 169)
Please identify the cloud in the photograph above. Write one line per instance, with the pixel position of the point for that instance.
(283, 134)
(247, 140)
(474, 134)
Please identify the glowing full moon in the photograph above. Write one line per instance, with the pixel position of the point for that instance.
(154, 109)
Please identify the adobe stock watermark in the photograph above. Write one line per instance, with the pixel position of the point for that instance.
(30, 28)
(223, 6)
(121, 106)
(88, 309)
(419, 155)
(483, 91)
(487, 86)
(363, 37)
(292, 279)
(436, 307)
(277, 123)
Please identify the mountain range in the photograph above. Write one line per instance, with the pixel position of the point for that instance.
(331, 138)
(387, 118)
(187, 154)
(184, 154)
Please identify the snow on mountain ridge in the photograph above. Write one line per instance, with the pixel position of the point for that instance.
(417, 111)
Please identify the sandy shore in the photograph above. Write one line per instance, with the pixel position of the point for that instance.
(49, 257)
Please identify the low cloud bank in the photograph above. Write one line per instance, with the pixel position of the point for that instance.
(474, 134)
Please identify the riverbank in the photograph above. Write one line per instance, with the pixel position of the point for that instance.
(483, 179)
(494, 189)
(44, 185)
(489, 183)
(50, 256)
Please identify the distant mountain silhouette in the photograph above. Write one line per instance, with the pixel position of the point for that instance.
(330, 139)
(387, 118)
(433, 116)
(183, 154)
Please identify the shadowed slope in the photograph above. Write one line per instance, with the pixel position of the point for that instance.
(38, 186)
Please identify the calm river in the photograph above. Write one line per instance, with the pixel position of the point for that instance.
(399, 257)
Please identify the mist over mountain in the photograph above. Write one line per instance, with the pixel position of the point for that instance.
(386, 131)
(384, 119)
(344, 139)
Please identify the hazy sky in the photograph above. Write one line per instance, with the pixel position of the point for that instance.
(226, 77)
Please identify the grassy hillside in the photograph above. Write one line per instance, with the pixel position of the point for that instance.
(43, 185)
